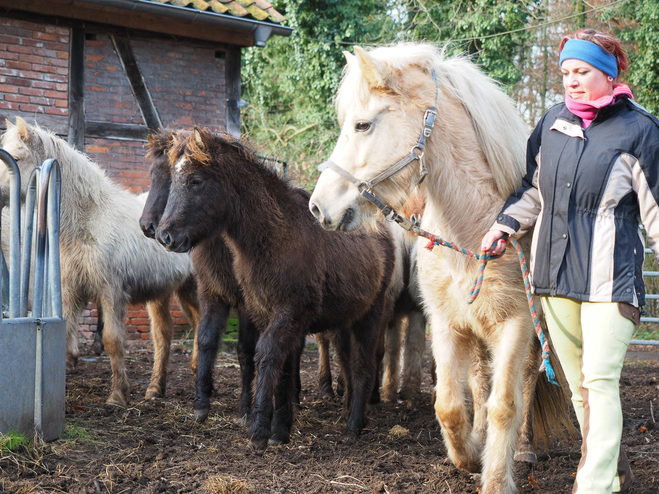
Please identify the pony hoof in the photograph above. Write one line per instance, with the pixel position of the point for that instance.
(526, 456)
(201, 414)
(471, 467)
(326, 394)
(117, 399)
(278, 441)
(242, 420)
(152, 394)
(387, 397)
(259, 444)
(351, 433)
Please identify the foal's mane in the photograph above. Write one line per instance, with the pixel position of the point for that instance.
(500, 130)
(216, 143)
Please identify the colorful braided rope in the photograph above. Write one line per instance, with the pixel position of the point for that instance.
(546, 366)
(478, 281)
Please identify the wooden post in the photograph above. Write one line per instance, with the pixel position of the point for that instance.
(76, 133)
(232, 78)
(137, 84)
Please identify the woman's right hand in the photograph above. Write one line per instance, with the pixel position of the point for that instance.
(489, 239)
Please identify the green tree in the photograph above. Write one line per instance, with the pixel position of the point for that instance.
(290, 84)
(492, 32)
(638, 23)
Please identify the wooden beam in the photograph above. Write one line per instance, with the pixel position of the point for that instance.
(232, 78)
(137, 83)
(76, 134)
(109, 130)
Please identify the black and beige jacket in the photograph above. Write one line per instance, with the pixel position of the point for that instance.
(585, 191)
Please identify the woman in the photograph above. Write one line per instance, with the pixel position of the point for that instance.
(592, 174)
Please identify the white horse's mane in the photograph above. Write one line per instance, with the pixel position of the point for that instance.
(499, 128)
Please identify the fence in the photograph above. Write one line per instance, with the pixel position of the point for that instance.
(652, 297)
(32, 330)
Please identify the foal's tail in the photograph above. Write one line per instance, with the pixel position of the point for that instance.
(552, 421)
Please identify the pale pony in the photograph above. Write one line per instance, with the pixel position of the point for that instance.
(104, 255)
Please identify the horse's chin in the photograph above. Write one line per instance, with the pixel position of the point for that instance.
(350, 221)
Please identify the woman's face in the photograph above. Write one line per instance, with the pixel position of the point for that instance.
(583, 82)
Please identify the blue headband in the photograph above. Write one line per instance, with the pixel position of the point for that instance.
(591, 53)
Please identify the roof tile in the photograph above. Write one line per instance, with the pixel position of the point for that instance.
(260, 10)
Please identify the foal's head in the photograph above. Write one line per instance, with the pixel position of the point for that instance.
(161, 178)
(204, 188)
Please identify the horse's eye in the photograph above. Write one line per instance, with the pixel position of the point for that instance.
(195, 181)
(362, 126)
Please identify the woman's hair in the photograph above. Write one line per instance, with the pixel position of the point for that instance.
(604, 41)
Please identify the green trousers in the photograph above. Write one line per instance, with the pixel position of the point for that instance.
(591, 339)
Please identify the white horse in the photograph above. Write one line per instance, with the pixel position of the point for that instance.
(104, 255)
(474, 158)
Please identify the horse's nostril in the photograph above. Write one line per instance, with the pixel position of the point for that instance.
(151, 229)
(164, 238)
(315, 211)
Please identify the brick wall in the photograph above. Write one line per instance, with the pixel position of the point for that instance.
(186, 82)
(34, 61)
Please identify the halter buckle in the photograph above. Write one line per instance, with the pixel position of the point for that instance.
(417, 152)
(429, 121)
(424, 172)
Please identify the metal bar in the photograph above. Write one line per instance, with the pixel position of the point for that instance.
(38, 380)
(644, 342)
(51, 181)
(14, 232)
(28, 235)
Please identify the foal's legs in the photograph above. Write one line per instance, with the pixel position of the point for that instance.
(325, 390)
(114, 338)
(162, 331)
(214, 314)
(189, 303)
(286, 395)
(505, 404)
(452, 360)
(366, 337)
(391, 362)
(414, 347)
(248, 336)
(273, 348)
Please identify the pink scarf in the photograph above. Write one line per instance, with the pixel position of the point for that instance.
(587, 110)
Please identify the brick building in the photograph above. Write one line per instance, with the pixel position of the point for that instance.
(102, 73)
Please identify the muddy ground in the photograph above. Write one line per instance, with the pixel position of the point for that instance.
(156, 446)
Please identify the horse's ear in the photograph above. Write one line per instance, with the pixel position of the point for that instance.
(23, 131)
(371, 69)
(8, 123)
(349, 56)
(199, 138)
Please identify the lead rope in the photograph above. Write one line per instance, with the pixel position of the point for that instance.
(545, 366)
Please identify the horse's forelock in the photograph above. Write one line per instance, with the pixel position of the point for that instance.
(399, 81)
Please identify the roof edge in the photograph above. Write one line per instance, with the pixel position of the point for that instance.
(260, 30)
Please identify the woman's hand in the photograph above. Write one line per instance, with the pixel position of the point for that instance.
(490, 238)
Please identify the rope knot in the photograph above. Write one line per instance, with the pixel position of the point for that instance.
(432, 241)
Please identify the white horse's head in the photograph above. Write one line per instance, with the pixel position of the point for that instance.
(381, 105)
(476, 149)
